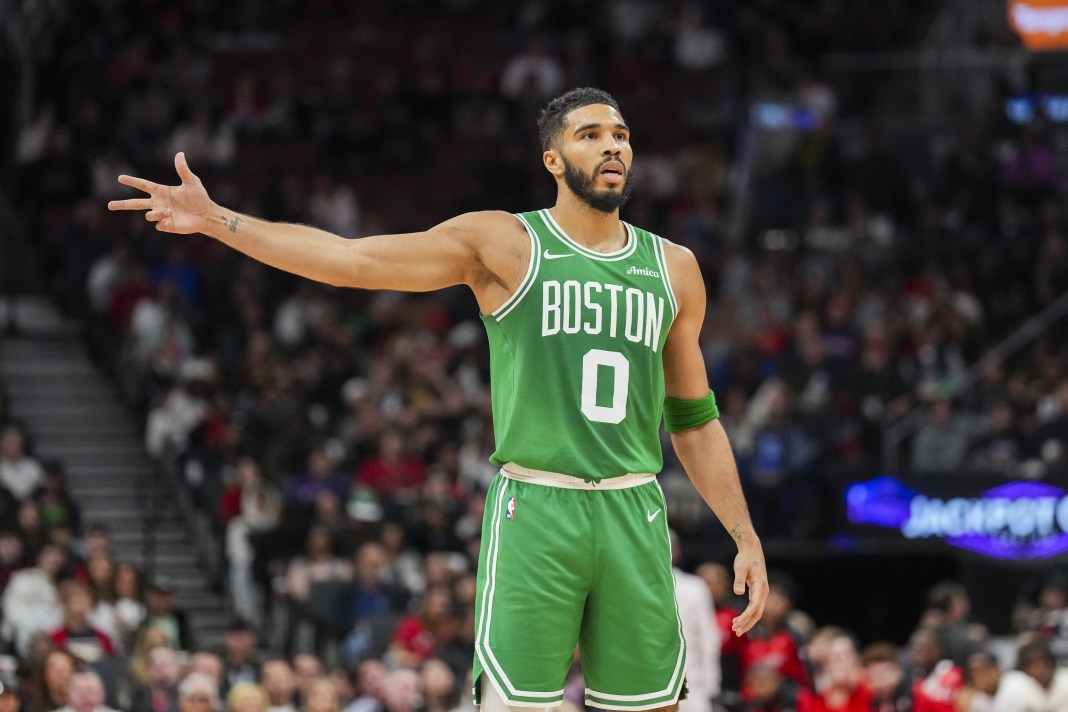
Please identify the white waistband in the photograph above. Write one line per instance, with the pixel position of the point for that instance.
(556, 479)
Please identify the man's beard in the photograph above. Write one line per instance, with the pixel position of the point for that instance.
(605, 201)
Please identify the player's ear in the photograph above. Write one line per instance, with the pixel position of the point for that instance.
(553, 162)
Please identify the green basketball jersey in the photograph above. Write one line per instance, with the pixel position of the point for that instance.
(576, 356)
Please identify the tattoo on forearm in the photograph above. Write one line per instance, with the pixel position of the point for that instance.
(231, 223)
(737, 532)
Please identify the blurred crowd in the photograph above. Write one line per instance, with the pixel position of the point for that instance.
(371, 624)
(876, 263)
(337, 439)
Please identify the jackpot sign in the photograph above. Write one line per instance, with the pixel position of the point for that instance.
(1017, 520)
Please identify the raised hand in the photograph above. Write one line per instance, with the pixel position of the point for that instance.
(181, 209)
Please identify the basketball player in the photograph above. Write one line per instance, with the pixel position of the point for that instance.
(593, 329)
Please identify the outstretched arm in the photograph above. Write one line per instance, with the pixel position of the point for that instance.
(704, 451)
(451, 253)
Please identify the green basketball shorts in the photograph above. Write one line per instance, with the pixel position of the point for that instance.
(565, 562)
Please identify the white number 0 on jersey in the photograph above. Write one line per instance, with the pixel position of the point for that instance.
(591, 363)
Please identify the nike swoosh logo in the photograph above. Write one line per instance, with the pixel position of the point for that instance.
(550, 256)
(652, 516)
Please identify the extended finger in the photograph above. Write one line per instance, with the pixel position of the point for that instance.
(130, 204)
(182, 166)
(139, 183)
(748, 618)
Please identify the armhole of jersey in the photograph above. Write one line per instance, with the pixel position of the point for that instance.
(661, 258)
(528, 280)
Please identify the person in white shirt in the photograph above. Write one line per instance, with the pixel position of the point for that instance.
(1039, 685)
(20, 473)
(699, 627)
(30, 603)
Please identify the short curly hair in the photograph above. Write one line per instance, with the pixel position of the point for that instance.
(552, 117)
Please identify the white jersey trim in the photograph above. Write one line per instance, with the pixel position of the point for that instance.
(528, 279)
(661, 258)
(626, 251)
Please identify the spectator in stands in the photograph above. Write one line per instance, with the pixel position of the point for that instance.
(11, 696)
(1037, 684)
(438, 684)
(77, 636)
(941, 444)
(30, 603)
(161, 693)
(12, 556)
(246, 697)
(937, 691)
(818, 649)
(50, 686)
(844, 687)
(924, 653)
(130, 611)
(162, 612)
(32, 530)
(719, 584)
(345, 531)
(1047, 614)
(999, 446)
(1051, 436)
(100, 574)
(322, 695)
(403, 692)
(890, 690)
(391, 472)
(20, 473)
(276, 678)
(948, 606)
(346, 686)
(782, 452)
(773, 639)
(256, 507)
(418, 635)
(701, 633)
(307, 667)
(318, 476)
(96, 541)
(239, 654)
(459, 650)
(86, 694)
(372, 595)
(983, 681)
(195, 693)
(318, 568)
(766, 690)
(58, 508)
(403, 565)
(371, 677)
(206, 663)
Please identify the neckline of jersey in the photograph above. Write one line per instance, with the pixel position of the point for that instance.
(625, 251)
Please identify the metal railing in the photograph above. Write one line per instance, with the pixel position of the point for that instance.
(894, 434)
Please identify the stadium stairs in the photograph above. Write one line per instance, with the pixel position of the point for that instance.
(75, 415)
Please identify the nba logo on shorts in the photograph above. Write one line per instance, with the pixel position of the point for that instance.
(509, 511)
